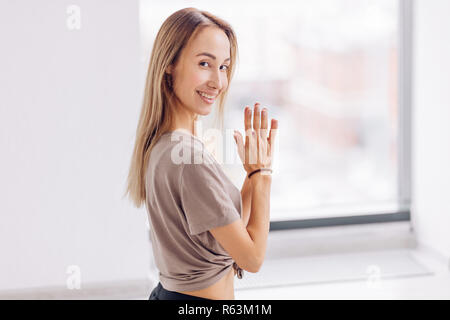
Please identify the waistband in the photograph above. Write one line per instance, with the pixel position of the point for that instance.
(164, 294)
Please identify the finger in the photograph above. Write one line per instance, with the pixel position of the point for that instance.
(247, 119)
(273, 133)
(247, 147)
(273, 127)
(264, 123)
(253, 148)
(256, 118)
(240, 144)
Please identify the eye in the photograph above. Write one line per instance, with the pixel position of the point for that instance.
(227, 67)
(202, 62)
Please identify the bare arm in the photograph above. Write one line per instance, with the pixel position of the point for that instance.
(246, 238)
(246, 194)
(259, 222)
(247, 243)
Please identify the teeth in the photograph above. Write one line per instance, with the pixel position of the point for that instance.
(205, 95)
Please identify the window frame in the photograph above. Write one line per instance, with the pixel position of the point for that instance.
(405, 29)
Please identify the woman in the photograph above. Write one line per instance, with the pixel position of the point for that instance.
(203, 229)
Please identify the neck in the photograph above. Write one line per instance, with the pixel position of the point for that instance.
(185, 120)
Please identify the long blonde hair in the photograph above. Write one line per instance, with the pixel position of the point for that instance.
(157, 106)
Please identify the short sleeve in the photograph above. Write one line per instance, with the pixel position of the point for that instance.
(204, 198)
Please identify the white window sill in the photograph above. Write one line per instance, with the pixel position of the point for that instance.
(340, 239)
(371, 261)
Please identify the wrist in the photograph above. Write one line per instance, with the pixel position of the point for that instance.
(260, 177)
(260, 171)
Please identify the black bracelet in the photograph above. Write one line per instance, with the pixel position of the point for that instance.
(258, 170)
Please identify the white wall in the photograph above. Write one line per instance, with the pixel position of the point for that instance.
(431, 124)
(69, 106)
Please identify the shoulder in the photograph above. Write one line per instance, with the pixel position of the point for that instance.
(175, 152)
(186, 149)
(202, 170)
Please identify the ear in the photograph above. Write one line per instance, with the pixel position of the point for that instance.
(169, 69)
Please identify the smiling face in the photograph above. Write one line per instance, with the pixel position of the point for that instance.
(200, 74)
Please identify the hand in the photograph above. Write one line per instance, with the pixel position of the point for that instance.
(257, 152)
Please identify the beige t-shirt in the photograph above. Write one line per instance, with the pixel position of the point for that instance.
(184, 200)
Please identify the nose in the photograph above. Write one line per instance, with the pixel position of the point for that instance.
(215, 80)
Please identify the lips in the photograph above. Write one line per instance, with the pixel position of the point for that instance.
(205, 99)
(210, 95)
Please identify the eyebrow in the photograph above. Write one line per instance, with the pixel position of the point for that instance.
(210, 55)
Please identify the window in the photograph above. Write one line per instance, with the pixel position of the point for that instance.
(329, 72)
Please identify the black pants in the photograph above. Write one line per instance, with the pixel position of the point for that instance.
(159, 293)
